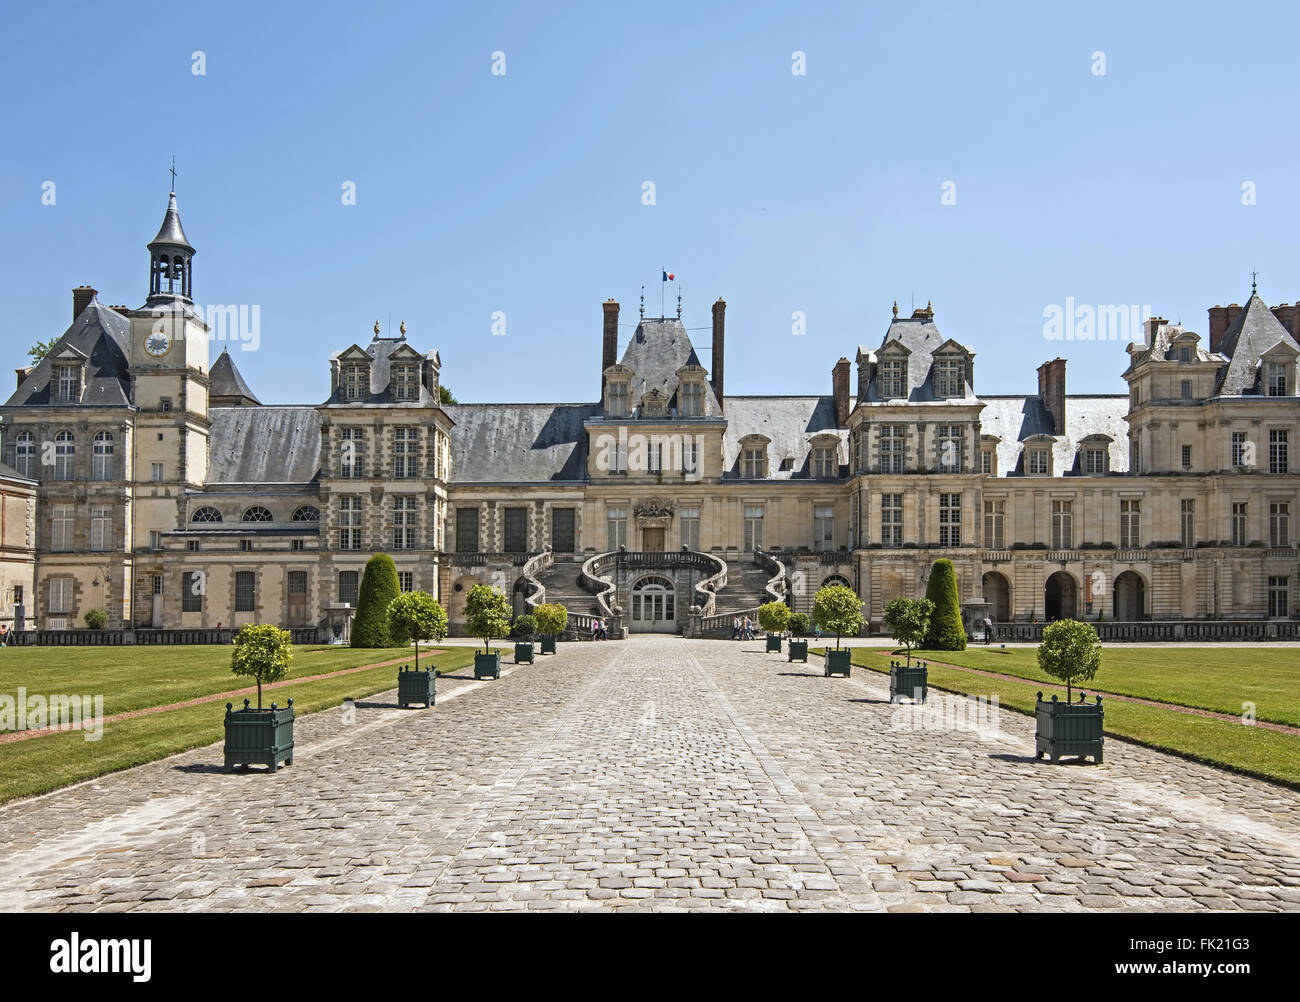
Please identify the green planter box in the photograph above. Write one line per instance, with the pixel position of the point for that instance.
(1069, 728)
(524, 653)
(912, 682)
(416, 687)
(259, 737)
(548, 645)
(838, 662)
(773, 644)
(487, 665)
(799, 650)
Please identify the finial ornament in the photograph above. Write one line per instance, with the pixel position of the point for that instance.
(376, 328)
(895, 307)
(1253, 276)
(403, 328)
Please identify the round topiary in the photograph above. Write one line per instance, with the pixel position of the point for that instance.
(487, 615)
(800, 624)
(838, 610)
(379, 586)
(908, 619)
(525, 626)
(417, 615)
(552, 618)
(946, 631)
(774, 616)
(1070, 651)
(262, 652)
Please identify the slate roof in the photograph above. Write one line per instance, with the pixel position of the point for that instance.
(519, 443)
(1161, 346)
(790, 423)
(269, 444)
(1013, 419)
(657, 350)
(921, 337)
(104, 337)
(1253, 332)
(379, 350)
(226, 382)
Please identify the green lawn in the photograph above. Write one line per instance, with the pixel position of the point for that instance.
(1208, 678)
(1252, 750)
(137, 677)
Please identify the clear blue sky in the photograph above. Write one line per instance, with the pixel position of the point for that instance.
(522, 193)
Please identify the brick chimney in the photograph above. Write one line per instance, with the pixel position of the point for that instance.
(719, 342)
(1051, 388)
(1221, 318)
(82, 296)
(1286, 315)
(609, 344)
(840, 387)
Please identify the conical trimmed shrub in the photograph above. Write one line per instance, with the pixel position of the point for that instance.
(946, 631)
(379, 586)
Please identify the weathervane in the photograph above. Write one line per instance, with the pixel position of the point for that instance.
(173, 173)
(643, 302)
(679, 302)
(1253, 276)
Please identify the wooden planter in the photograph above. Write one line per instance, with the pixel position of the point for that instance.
(1069, 728)
(524, 652)
(799, 650)
(416, 687)
(259, 737)
(911, 681)
(839, 662)
(487, 665)
(548, 645)
(773, 643)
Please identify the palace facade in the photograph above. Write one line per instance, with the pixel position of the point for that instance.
(155, 485)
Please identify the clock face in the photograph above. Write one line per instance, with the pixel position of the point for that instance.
(157, 344)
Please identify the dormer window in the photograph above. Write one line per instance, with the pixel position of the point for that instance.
(654, 404)
(356, 382)
(616, 399)
(406, 382)
(1038, 461)
(753, 457)
(67, 383)
(890, 378)
(948, 377)
(1096, 460)
(691, 399)
(1278, 384)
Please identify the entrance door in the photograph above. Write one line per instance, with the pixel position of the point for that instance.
(654, 606)
(298, 598)
(157, 613)
(562, 530)
(653, 540)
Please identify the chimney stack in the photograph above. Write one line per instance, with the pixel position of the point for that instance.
(82, 296)
(840, 387)
(719, 336)
(609, 346)
(1051, 388)
(1287, 315)
(1221, 318)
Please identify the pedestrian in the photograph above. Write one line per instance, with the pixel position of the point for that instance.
(4, 635)
(735, 627)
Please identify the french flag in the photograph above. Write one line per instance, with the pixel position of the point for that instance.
(669, 276)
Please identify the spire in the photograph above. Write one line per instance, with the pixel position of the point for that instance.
(170, 258)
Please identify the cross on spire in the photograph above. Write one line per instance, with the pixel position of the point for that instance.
(1253, 275)
(173, 173)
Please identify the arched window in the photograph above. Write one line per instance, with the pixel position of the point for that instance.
(206, 514)
(103, 458)
(838, 579)
(257, 514)
(25, 454)
(306, 513)
(65, 450)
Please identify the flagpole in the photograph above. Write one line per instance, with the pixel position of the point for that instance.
(663, 275)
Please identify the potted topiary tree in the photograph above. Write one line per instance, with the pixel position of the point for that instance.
(946, 631)
(773, 617)
(1070, 651)
(838, 610)
(908, 619)
(96, 619)
(487, 615)
(260, 737)
(799, 626)
(524, 629)
(416, 614)
(552, 618)
(379, 586)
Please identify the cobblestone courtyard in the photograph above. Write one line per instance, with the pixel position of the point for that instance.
(657, 774)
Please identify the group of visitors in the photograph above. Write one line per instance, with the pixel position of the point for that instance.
(743, 628)
(598, 630)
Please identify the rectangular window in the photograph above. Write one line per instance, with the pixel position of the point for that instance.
(949, 519)
(618, 399)
(690, 522)
(406, 385)
(356, 382)
(690, 457)
(951, 448)
(692, 399)
(1135, 457)
(466, 530)
(655, 457)
(563, 530)
(69, 384)
(25, 454)
(1130, 524)
(1279, 597)
(405, 446)
(404, 514)
(994, 523)
(60, 596)
(1187, 512)
(61, 528)
(1239, 523)
(350, 523)
(986, 462)
(1187, 457)
(102, 460)
(753, 528)
(824, 463)
(349, 583)
(948, 377)
(101, 529)
(1094, 461)
(406, 580)
(246, 545)
(823, 527)
(245, 591)
(1038, 462)
(1062, 525)
(352, 453)
(156, 472)
(193, 545)
(1279, 524)
(296, 544)
(192, 587)
(516, 530)
(891, 378)
(1239, 449)
(753, 466)
(1279, 459)
(65, 451)
(1277, 381)
(616, 527)
(1185, 389)
(891, 448)
(891, 519)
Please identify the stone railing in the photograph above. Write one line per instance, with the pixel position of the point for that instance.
(1161, 630)
(483, 559)
(536, 590)
(706, 589)
(708, 623)
(593, 578)
(771, 563)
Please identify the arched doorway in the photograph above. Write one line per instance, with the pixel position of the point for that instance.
(997, 593)
(1129, 597)
(654, 606)
(1060, 597)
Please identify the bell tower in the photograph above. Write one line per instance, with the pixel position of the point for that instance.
(171, 259)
